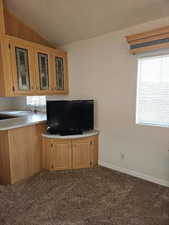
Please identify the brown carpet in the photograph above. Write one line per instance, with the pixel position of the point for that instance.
(85, 197)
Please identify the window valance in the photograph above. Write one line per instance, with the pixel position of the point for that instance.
(147, 41)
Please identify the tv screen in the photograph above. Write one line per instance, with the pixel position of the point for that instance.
(70, 116)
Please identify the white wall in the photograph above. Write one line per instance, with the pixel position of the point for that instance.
(102, 68)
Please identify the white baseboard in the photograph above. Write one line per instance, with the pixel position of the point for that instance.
(134, 173)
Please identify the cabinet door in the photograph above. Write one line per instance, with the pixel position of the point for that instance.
(22, 61)
(94, 151)
(6, 81)
(60, 73)
(5, 175)
(43, 71)
(57, 154)
(25, 152)
(81, 150)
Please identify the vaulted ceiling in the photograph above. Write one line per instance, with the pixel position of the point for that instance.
(65, 21)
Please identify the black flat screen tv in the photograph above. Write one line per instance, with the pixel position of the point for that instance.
(70, 117)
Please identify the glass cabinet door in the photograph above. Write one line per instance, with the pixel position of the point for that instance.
(43, 71)
(22, 65)
(59, 67)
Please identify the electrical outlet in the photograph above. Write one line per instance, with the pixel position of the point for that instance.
(122, 155)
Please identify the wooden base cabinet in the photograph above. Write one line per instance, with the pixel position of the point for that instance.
(64, 154)
(20, 153)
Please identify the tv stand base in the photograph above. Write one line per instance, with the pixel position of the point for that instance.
(70, 152)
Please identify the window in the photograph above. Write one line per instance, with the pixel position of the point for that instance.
(36, 101)
(153, 91)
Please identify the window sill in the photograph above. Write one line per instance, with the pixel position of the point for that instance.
(152, 125)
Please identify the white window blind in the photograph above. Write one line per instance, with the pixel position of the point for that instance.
(153, 91)
(36, 101)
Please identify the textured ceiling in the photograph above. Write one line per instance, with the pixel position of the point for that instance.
(65, 21)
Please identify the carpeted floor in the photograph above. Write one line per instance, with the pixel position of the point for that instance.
(85, 197)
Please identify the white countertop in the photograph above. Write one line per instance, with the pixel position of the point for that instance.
(24, 118)
(85, 134)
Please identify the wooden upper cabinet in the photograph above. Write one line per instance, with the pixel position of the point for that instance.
(60, 73)
(31, 66)
(43, 70)
(28, 68)
(23, 67)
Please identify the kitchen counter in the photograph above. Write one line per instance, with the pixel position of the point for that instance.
(23, 118)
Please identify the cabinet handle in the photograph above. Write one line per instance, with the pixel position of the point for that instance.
(91, 143)
(13, 88)
(52, 145)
